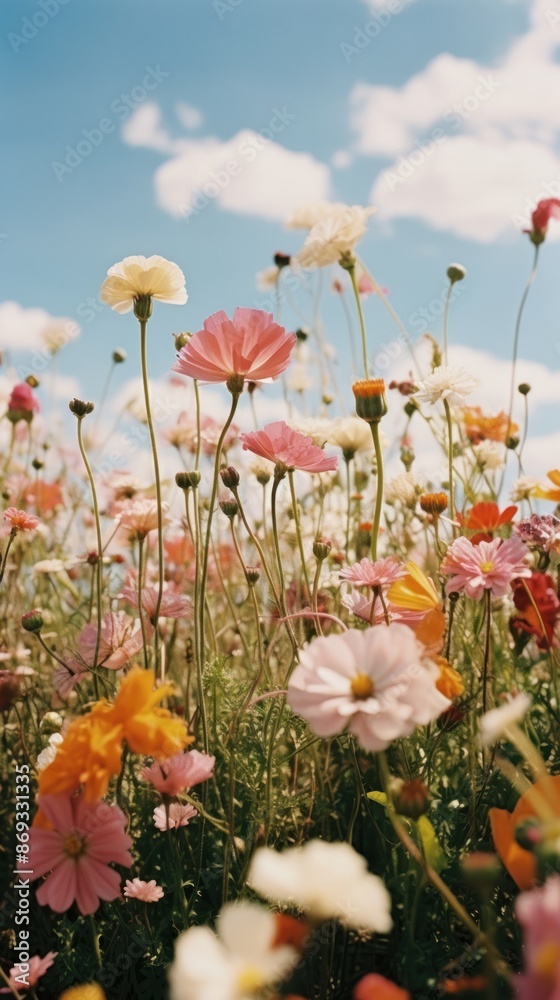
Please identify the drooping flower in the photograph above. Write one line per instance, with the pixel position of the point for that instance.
(251, 347)
(334, 237)
(486, 566)
(367, 573)
(139, 277)
(480, 426)
(375, 683)
(20, 520)
(37, 968)
(288, 448)
(376, 987)
(540, 531)
(120, 640)
(547, 209)
(146, 892)
(328, 881)
(175, 816)
(538, 912)
(538, 609)
(179, 772)
(451, 384)
(237, 962)
(521, 864)
(545, 492)
(83, 839)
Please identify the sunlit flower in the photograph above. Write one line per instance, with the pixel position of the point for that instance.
(307, 216)
(146, 892)
(83, 840)
(328, 881)
(335, 236)
(20, 520)
(495, 723)
(147, 728)
(89, 756)
(140, 515)
(136, 277)
(375, 683)
(120, 640)
(373, 574)
(480, 426)
(549, 492)
(489, 455)
(486, 516)
(37, 968)
(520, 863)
(47, 755)
(486, 566)
(402, 489)
(249, 347)
(449, 683)
(351, 434)
(23, 401)
(174, 816)
(523, 488)
(237, 962)
(267, 279)
(174, 604)
(285, 447)
(179, 772)
(416, 595)
(451, 384)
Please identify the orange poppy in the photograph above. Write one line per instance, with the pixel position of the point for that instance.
(480, 426)
(486, 516)
(521, 864)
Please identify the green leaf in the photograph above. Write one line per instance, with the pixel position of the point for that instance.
(422, 832)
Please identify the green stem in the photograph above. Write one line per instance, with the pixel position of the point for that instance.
(487, 651)
(99, 564)
(145, 383)
(445, 321)
(449, 420)
(352, 273)
(378, 489)
(198, 428)
(298, 532)
(12, 535)
(139, 591)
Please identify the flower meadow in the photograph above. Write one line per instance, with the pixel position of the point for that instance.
(282, 723)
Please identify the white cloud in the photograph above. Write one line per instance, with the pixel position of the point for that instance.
(188, 115)
(26, 329)
(493, 131)
(251, 173)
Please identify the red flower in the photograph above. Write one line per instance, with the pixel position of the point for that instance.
(547, 209)
(538, 608)
(486, 517)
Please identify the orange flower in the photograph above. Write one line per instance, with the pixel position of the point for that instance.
(467, 985)
(415, 592)
(46, 496)
(480, 426)
(520, 863)
(486, 516)
(147, 728)
(547, 492)
(89, 755)
(449, 683)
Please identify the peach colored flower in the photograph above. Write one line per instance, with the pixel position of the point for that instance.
(120, 641)
(249, 346)
(146, 892)
(177, 815)
(20, 520)
(140, 516)
(288, 448)
(37, 968)
(177, 773)
(366, 573)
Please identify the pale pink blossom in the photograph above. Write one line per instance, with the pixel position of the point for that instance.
(538, 912)
(66, 677)
(140, 515)
(486, 566)
(288, 448)
(174, 604)
(367, 573)
(179, 772)
(86, 838)
(37, 968)
(20, 520)
(146, 892)
(177, 815)
(376, 683)
(185, 434)
(250, 345)
(361, 606)
(120, 641)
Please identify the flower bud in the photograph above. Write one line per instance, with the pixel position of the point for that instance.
(263, 477)
(181, 340)
(253, 575)
(407, 456)
(327, 399)
(80, 407)
(371, 402)
(321, 549)
(282, 259)
(32, 621)
(302, 335)
(456, 272)
(51, 723)
(481, 870)
(410, 798)
(32, 381)
(410, 407)
(524, 388)
(229, 508)
(230, 477)
(188, 480)
(119, 356)
(143, 307)
(512, 442)
(37, 464)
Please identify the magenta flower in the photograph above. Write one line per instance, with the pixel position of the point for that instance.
(251, 346)
(23, 400)
(538, 912)
(183, 770)
(146, 892)
(176, 816)
(86, 838)
(486, 566)
(288, 449)
(367, 573)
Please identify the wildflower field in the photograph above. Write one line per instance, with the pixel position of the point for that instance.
(280, 715)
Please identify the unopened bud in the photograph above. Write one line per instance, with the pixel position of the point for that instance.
(229, 508)
(456, 272)
(181, 340)
(371, 402)
(80, 407)
(282, 259)
(524, 388)
(37, 464)
(143, 307)
(410, 798)
(481, 870)
(230, 477)
(512, 442)
(410, 407)
(253, 575)
(32, 381)
(188, 480)
(434, 503)
(32, 621)
(321, 549)
(119, 356)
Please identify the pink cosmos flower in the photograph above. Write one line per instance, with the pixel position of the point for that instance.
(23, 398)
(174, 604)
(20, 520)
(86, 838)
(547, 209)
(361, 606)
(288, 448)
(250, 345)
(65, 678)
(147, 892)
(121, 640)
(538, 912)
(375, 683)
(177, 816)
(183, 770)
(140, 515)
(486, 566)
(367, 573)
(37, 968)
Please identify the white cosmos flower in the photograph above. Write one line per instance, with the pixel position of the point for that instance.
(489, 454)
(352, 434)
(523, 487)
(334, 236)
(237, 962)
(268, 279)
(135, 276)
(495, 723)
(298, 378)
(47, 755)
(327, 881)
(307, 216)
(403, 489)
(452, 384)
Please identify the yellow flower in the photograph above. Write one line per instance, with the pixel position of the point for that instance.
(449, 683)
(89, 755)
(416, 592)
(88, 991)
(547, 492)
(147, 728)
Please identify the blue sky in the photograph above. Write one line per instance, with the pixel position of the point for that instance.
(231, 67)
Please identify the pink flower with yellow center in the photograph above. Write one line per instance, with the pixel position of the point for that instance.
(486, 566)
(367, 573)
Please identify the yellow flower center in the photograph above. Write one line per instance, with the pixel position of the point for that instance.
(547, 959)
(74, 846)
(250, 979)
(362, 687)
(487, 567)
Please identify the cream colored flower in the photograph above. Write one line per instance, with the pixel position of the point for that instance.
(523, 487)
(268, 279)
(298, 378)
(335, 236)
(307, 216)
(451, 384)
(352, 434)
(495, 723)
(489, 455)
(403, 489)
(47, 755)
(134, 277)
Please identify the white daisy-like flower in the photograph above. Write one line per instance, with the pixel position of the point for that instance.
(139, 276)
(298, 378)
(328, 881)
(352, 434)
(523, 487)
(335, 236)
(451, 384)
(489, 455)
(307, 216)
(403, 489)
(494, 724)
(238, 962)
